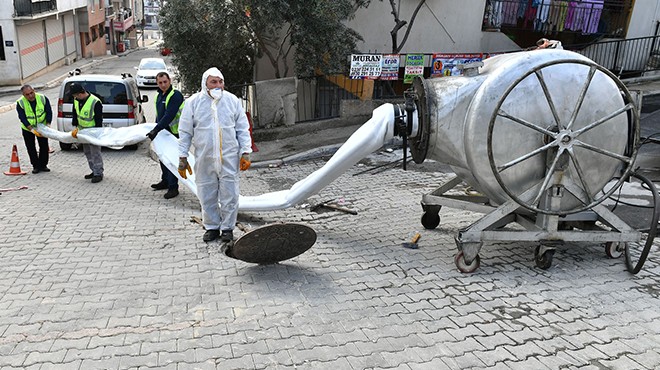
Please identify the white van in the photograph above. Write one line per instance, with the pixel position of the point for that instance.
(122, 104)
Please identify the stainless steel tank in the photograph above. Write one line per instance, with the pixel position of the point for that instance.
(528, 121)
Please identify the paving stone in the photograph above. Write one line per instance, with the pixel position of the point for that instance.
(466, 346)
(149, 360)
(468, 360)
(166, 358)
(244, 362)
(529, 363)
(105, 363)
(63, 366)
(207, 365)
(623, 362)
(42, 357)
(355, 300)
(216, 353)
(495, 356)
(75, 354)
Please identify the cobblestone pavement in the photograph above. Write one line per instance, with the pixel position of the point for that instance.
(112, 276)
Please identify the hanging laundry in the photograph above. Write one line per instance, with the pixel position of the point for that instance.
(530, 13)
(570, 15)
(510, 12)
(522, 8)
(558, 14)
(580, 16)
(595, 11)
(543, 16)
(495, 13)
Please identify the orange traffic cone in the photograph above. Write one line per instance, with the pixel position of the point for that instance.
(15, 166)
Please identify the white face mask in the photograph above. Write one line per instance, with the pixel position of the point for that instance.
(216, 93)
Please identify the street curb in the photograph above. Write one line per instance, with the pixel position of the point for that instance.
(7, 108)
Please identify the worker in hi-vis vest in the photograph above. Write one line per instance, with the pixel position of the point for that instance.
(88, 112)
(169, 103)
(34, 109)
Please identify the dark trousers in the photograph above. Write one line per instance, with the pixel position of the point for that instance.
(38, 160)
(168, 177)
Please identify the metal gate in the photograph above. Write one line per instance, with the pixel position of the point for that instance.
(69, 34)
(32, 50)
(55, 39)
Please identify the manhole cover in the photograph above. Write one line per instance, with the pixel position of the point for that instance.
(273, 243)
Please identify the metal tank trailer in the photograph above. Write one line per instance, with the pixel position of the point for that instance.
(544, 137)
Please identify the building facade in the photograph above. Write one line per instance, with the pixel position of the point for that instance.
(38, 36)
(490, 26)
(151, 10)
(123, 19)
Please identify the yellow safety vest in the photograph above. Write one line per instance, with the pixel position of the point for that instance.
(86, 113)
(36, 116)
(174, 125)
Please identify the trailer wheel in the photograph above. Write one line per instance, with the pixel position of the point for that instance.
(430, 220)
(464, 267)
(543, 260)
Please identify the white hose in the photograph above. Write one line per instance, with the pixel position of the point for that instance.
(367, 139)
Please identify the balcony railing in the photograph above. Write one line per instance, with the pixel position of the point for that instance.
(587, 17)
(625, 58)
(28, 8)
(123, 24)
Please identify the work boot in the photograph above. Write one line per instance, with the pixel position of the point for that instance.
(211, 235)
(171, 193)
(89, 176)
(227, 236)
(96, 179)
(36, 170)
(44, 169)
(159, 186)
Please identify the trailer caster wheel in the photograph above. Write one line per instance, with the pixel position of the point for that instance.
(430, 220)
(543, 260)
(614, 249)
(463, 267)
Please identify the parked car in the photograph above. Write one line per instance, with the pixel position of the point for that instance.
(147, 71)
(122, 104)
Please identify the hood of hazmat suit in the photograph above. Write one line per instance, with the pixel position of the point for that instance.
(218, 129)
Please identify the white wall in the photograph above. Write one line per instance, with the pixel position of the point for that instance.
(10, 67)
(64, 5)
(7, 11)
(644, 18)
(440, 27)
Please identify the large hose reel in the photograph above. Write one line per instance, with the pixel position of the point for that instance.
(560, 144)
(544, 137)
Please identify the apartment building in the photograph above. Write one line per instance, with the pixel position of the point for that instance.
(39, 35)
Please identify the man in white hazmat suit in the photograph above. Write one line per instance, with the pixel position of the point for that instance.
(214, 121)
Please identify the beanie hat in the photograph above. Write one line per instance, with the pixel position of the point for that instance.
(76, 89)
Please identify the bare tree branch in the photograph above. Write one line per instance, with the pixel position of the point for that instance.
(412, 19)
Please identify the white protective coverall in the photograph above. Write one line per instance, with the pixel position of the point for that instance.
(219, 131)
